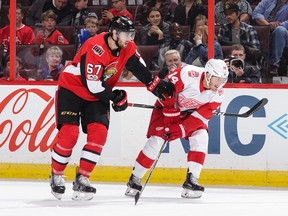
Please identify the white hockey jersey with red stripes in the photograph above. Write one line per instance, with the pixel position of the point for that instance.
(190, 94)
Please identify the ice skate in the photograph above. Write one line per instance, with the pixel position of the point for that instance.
(83, 190)
(191, 188)
(133, 186)
(57, 184)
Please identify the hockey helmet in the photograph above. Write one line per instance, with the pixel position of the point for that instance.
(217, 68)
(121, 23)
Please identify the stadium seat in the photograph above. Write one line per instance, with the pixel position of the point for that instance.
(29, 53)
(147, 53)
(186, 31)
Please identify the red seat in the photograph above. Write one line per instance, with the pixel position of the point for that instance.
(29, 53)
(148, 52)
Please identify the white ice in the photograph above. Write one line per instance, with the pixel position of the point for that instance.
(33, 198)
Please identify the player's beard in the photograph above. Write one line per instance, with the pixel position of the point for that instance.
(122, 45)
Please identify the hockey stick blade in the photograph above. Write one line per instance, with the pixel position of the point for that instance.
(260, 104)
(137, 196)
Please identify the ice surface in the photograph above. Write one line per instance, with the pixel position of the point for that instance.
(31, 198)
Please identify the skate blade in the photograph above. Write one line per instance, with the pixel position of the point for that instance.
(191, 194)
(131, 192)
(81, 196)
(57, 195)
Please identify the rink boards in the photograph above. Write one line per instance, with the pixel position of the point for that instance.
(242, 151)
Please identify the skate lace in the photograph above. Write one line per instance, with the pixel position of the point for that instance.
(84, 181)
(136, 180)
(58, 180)
(193, 180)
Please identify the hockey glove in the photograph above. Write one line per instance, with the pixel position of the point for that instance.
(174, 131)
(83, 36)
(120, 102)
(171, 115)
(161, 88)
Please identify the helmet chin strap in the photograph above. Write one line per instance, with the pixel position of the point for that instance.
(116, 41)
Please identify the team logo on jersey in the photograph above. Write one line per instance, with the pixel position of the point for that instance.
(109, 71)
(189, 103)
(221, 91)
(98, 50)
(60, 39)
(193, 73)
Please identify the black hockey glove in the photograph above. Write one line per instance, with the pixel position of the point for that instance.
(161, 88)
(120, 102)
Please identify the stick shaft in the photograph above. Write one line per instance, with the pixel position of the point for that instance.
(254, 109)
(137, 196)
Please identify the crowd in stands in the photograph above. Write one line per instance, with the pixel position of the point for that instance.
(51, 31)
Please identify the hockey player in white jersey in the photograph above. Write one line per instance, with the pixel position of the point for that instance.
(199, 89)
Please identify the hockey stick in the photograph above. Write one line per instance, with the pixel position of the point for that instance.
(252, 110)
(138, 194)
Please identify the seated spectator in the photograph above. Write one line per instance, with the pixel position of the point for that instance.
(186, 12)
(156, 32)
(198, 54)
(275, 14)
(62, 8)
(176, 42)
(241, 72)
(49, 34)
(81, 13)
(237, 32)
(91, 26)
(24, 34)
(53, 58)
(165, 6)
(18, 68)
(172, 61)
(118, 9)
(244, 8)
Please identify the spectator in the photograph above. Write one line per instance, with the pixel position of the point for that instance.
(176, 42)
(275, 14)
(241, 72)
(237, 32)
(156, 32)
(118, 9)
(24, 34)
(91, 26)
(18, 68)
(49, 34)
(54, 66)
(244, 8)
(82, 12)
(172, 61)
(187, 11)
(165, 6)
(62, 8)
(198, 54)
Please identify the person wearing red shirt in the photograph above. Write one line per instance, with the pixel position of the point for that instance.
(49, 34)
(118, 9)
(18, 68)
(24, 34)
(85, 89)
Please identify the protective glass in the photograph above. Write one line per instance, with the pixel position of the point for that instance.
(126, 35)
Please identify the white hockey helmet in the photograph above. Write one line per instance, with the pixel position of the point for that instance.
(217, 68)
